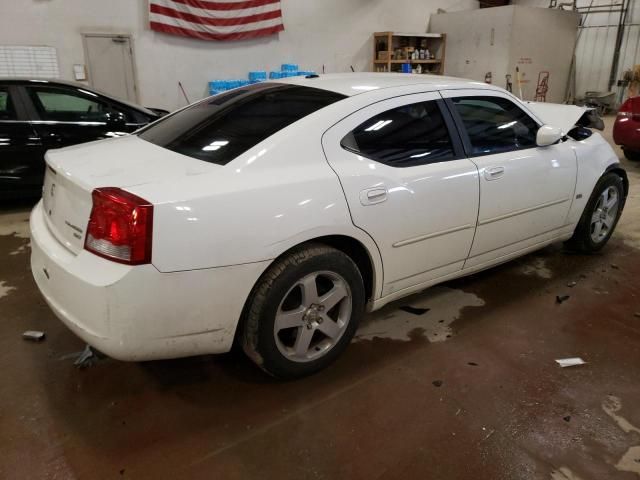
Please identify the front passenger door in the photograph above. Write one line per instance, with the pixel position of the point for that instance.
(68, 116)
(525, 190)
(408, 185)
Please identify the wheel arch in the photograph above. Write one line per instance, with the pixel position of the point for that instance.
(618, 170)
(366, 257)
(363, 251)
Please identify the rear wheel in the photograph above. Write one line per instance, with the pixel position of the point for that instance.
(600, 216)
(303, 312)
(633, 156)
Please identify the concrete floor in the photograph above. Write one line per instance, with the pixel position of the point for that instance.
(468, 389)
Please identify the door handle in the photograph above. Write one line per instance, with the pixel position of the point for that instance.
(371, 196)
(493, 173)
(54, 138)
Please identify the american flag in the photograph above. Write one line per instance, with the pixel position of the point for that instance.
(216, 20)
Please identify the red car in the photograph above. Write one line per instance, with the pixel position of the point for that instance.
(626, 129)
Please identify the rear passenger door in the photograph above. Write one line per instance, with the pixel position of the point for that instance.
(408, 185)
(525, 190)
(21, 162)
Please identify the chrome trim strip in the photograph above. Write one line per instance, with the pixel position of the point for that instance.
(428, 236)
(57, 122)
(524, 210)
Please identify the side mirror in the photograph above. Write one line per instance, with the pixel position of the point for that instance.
(115, 120)
(548, 135)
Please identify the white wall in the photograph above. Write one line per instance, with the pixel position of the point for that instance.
(596, 44)
(334, 33)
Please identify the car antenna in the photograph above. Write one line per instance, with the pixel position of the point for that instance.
(184, 93)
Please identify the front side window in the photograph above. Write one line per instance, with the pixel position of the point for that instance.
(406, 136)
(220, 128)
(495, 124)
(56, 104)
(7, 109)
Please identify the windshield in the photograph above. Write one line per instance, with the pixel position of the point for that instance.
(220, 128)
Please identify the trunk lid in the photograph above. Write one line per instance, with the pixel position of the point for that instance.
(73, 173)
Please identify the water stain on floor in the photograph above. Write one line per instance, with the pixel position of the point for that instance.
(536, 267)
(611, 406)
(630, 461)
(564, 473)
(5, 289)
(432, 311)
(15, 224)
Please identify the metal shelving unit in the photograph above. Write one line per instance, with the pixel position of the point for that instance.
(391, 50)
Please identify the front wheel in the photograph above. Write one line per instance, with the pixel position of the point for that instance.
(303, 312)
(600, 216)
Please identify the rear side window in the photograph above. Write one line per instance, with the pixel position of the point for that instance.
(220, 128)
(7, 109)
(495, 125)
(66, 105)
(410, 135)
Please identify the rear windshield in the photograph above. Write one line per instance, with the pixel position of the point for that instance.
(220, 128)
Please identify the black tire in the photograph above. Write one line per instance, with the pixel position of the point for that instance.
(258, 337)
(582, 240)
(632, 156)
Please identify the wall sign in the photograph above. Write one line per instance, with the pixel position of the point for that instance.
(28, 61)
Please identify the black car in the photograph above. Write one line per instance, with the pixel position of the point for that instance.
(37, 115)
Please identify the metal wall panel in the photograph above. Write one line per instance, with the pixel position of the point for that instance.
(596, 44)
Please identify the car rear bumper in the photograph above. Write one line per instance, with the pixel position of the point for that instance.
(626, 132)
(138, 313)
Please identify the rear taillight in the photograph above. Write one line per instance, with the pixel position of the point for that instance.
(630, 108)
(120, 226)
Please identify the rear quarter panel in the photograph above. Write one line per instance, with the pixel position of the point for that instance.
(273, 197)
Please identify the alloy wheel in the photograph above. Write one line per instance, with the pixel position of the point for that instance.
(605, 214)
(313, 316)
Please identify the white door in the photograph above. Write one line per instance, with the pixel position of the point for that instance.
(525, 190)
(408, 185)
(110, 65)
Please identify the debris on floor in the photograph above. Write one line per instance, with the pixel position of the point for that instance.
(572, 284)
(570, 362)
(87, 358)
(561, 298)
(33, 335)
(437, 383)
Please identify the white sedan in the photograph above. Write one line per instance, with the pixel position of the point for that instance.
(277, 214)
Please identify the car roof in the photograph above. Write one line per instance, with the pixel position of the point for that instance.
(67, 83)
(351, 84)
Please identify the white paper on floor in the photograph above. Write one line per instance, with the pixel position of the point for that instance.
(570, 362)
